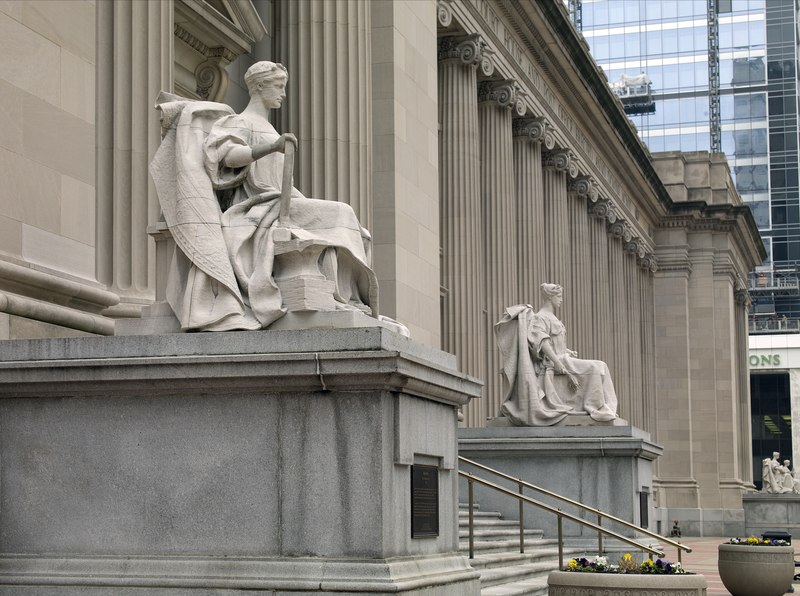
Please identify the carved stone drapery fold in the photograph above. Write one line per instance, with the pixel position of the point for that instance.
(468, 49)
(536, 129)
(507, 94)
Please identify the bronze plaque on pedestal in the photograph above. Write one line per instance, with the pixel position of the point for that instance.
(424, 501)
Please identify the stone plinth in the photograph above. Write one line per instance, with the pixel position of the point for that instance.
(771, 513)
(607, 467)
(274, 461)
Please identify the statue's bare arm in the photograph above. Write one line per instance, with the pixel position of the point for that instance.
(241, 156)
(558, 366)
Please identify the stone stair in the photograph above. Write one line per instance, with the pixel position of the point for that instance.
(504, 570)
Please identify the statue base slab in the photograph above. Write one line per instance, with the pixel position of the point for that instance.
(278, 462)
(576, 419)
(607, 467)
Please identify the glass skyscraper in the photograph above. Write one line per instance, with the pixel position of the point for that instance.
(743, 52)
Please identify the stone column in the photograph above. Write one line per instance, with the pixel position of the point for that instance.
(635, 327)
(794, 391)
(134, 62)
(602, 322)
(497, 100)
(531, 135)
(557, 255)
(619, 335)
(326, 46)
(744, 419)
(581, 297)
(647, 267)
(463, 328)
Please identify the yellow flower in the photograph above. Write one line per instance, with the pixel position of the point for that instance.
(573, 564)
(627, 557)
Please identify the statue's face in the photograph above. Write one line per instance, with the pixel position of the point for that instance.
(557, 299)
(273, 92)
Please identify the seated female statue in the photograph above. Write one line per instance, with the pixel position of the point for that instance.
(219, 177)
(546, 379)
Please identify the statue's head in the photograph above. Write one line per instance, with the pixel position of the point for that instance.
(267, 78)
(551, 293)
(776, 455)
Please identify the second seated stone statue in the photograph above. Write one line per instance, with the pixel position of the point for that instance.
(546, 380)
(219, 177)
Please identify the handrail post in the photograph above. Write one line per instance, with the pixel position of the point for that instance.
(679, 552)
(471, 519)
(599, 536)
(521, 523)
(560, 544)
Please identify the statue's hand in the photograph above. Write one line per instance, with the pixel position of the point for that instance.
(280, 144)
(558, 367)
(572, 353)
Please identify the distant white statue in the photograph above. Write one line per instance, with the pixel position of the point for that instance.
(546, 380)
(787, 479)
(248, 241)
(776, 478)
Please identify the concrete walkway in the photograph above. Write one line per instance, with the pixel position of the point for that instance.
(703, 559)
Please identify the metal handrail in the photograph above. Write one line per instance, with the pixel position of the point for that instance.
(471, 478)
(600, 514)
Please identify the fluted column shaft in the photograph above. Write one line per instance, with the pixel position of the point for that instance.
(648, 349)
(634, 341)
(529, 187)
(557, 251)
(619, 336)
(325, 44)
(499, 226)
(580, 277)
(602, 322)
(134, 62)
(463, 325)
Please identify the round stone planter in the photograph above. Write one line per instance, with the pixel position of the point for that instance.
(570, 583)
(756, 570)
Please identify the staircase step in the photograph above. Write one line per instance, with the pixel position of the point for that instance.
(503, 532)
(489, 523)
(532, 554)
(515, 573)
(463, 513)
(528, 587)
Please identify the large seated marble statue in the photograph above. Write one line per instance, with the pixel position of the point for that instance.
(250, 245)
(546, 380)
(776, 478)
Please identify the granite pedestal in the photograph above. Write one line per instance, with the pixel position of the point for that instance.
(608, 467)
(276, 462)
(771, 513)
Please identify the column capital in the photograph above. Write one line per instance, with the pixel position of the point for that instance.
(561, 160)
(585, 187)
(648, 262)
(620, 229)
(604, 209)
(507, 94)
(470, 50)
(536, 129)
(742, 297)
(636, 247)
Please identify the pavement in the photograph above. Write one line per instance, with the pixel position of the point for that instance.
(703, 559)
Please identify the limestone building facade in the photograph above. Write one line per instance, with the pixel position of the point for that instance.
(476, 139)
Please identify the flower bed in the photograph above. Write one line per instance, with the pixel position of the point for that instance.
(627, 577)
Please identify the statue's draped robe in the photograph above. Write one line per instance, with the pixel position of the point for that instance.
(537, 396)
(222, 272)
